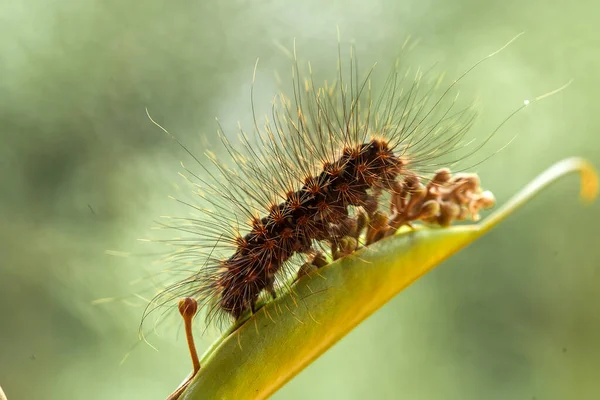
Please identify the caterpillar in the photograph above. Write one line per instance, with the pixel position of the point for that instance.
(315, 176)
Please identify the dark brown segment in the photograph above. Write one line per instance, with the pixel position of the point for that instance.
(318, 211)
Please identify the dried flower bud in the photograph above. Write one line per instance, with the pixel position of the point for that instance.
(463, 214)
(487, 199)
(441, 176)
(429, 209)
(445, 199)
(188, 307)
(411, 182)
(448, 213)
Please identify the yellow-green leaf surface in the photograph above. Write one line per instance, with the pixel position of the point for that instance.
(286, 335)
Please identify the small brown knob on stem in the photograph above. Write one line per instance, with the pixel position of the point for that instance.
(188, 308)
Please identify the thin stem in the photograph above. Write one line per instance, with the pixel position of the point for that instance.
(188, 308)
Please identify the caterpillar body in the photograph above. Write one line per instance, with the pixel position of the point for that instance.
(315, 175)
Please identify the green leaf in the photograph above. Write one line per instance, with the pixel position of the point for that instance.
(286, 335)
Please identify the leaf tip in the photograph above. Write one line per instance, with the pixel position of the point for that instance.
(589, 180)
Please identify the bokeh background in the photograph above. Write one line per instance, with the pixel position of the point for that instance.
(514, 316)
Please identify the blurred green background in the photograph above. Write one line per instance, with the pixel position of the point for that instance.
(514, 316)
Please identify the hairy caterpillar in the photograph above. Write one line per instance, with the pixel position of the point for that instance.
(315, 175)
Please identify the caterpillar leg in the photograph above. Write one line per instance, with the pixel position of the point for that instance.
(343, 247)
(344, 235)
(362, 219)
(188, 308)
(371, 203)
(377, 227)
(271, 287)
(318, 261)
(368, 217)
